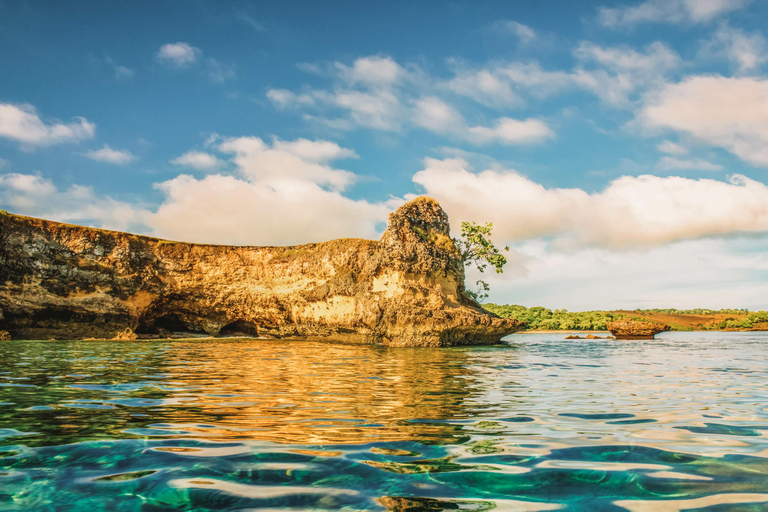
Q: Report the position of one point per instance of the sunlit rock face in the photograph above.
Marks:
(635, 330)
(69, 282)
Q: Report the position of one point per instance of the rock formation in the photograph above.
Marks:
(635, 330)
(71, 282)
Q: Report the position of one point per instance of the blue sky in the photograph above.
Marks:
(618, 147)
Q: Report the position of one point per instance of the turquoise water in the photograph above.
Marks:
(540, 423)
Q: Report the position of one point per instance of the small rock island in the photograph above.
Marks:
(406, 289)
(627, 329)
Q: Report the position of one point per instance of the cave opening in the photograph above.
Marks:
(165, 325)
(240, 328)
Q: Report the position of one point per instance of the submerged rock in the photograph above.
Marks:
(635, 330)
(407, 289)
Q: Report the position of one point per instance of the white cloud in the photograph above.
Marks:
(671, 148)
(283, 98)
(670, 163)
(369, 93)
(219, 72)
(230, 210)
(23, 124)
(631, 212)
(512, 131)
(198, 160)
(377, 71)
(183, 55)
(379, 109)
(372, 94)
(668, 11)
(178, 54)
(314, 150)
(657, 57)
(286, 193)
(121, 72)
(487, 87)
(29, 194)
(731, 113)
(111, 156)
(437, 116)
(709, 273)
(523, 32)
(291, 162)
(622, 71)
(616, 75)
(746, 52)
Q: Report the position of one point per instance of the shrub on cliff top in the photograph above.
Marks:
(476, 248)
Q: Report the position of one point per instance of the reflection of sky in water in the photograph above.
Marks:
(679, 421)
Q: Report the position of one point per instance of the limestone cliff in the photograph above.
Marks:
(67, 282)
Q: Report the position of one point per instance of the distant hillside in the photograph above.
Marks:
(539, 318)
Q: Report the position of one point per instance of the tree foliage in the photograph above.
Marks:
(476, 248)
(539, 318)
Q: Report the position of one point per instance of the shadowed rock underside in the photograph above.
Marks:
(70, 282)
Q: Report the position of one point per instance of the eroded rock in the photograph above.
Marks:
(635, 329)
(407, 289)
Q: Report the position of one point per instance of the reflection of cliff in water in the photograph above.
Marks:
(307, 393)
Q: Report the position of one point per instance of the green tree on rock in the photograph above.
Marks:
(476, 248)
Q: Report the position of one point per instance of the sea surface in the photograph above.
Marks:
(538, 423)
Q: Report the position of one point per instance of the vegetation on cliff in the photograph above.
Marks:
(477, 249)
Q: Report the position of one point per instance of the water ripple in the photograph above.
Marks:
(539, 424)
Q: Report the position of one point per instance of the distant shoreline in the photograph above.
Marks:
(567, 331)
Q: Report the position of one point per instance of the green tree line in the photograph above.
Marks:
(540, 318)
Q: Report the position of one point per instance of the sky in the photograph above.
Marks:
(620, 148)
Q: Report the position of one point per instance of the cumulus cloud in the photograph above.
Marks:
(183, 55)
(512, 131)
(231, 210)
(179, 54)
(616, 75)
(285, 192)
(379, 109)
(631, 212)
(219, 72)
(731, 113)
(436, 115)
(30, 194)
(668, 11)
(299, 161)
(661, 277)
(657, 57)
(198, 160)
(672, 148)
(746, 52)
(373, 70)
(670, 163)
(487, 87)
(111, 156)
(371, 93)
(121, 72)
(522, 32)
(283, 98)
(22, 123)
